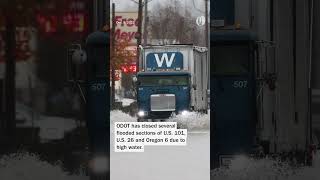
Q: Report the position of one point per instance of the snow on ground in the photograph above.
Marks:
(26, 166)
(161, 162)
(164, 162)
(140, 166)
(193, 121)
(243, 168)
(51, 128)
(119, 116)
(125, 101)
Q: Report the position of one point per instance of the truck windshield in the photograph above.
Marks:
(163, 80)
(230, 59)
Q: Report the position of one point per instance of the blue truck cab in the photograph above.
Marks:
(233, 98)
(97, 88)
(171, 79)
(88, 71)
(161, 93)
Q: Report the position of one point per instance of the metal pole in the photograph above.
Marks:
(113, 94)
(206, 23)
(139, 32)
(107, 13)
(146, 19)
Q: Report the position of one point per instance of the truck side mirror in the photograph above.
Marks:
(76, 57)
(194, 86)
(75, 70)
(79, 56)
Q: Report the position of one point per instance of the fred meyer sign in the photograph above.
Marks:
(126, 26)
(167, 60)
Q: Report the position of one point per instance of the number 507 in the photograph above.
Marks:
(240, 84)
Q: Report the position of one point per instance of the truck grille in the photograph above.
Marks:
(163, 102)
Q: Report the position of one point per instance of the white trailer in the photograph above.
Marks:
(195, 61)
(283, 30)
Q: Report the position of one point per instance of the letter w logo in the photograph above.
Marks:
(164, 57)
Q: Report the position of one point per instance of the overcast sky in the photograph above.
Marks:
(195, 7)
(130, 5)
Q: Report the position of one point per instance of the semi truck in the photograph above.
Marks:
(87, 71)
(233, 117)
(260, 97)
(171, 79)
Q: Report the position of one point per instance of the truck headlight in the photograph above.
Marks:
(141, 113)
(184, 112)
(99, 164)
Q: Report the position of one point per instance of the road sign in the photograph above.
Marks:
(201, 20)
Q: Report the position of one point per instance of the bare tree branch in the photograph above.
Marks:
(171, 23)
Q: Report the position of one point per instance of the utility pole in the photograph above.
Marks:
(207, 23)
(113, 93)
(139, 31)
(207, 30)
(146, 19)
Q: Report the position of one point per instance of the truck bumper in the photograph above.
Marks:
(155, 114)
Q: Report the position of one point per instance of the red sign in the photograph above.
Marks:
(126, 26)
(47, 23)
(129, 68)
(73, 18)
(72, 22)
(75, 22)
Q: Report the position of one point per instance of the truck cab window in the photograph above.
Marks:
(235, 62)
(164, 80)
